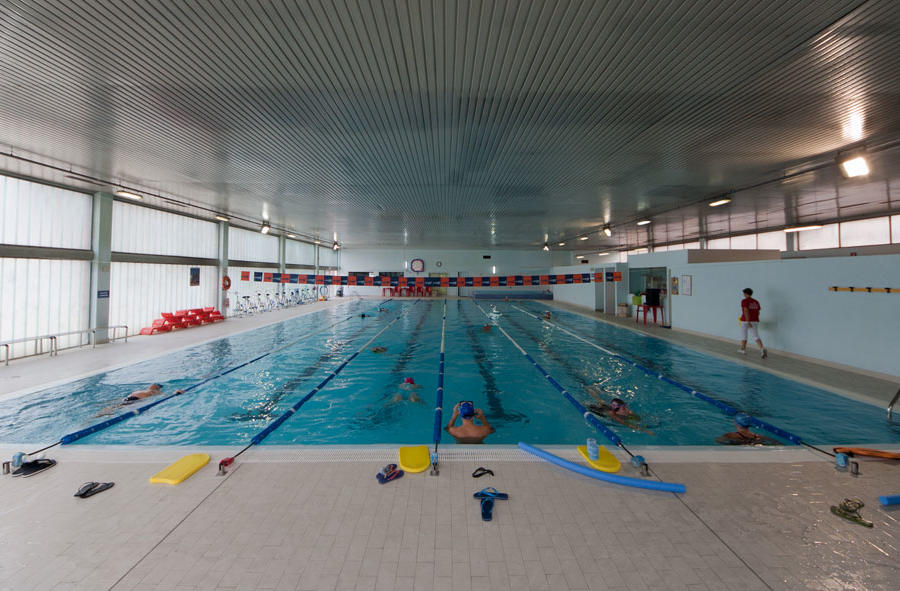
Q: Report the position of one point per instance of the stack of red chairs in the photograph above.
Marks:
(183, 319)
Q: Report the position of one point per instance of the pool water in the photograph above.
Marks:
(358, 406)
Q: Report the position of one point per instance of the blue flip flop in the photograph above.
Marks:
(491, 493)
(487, 508)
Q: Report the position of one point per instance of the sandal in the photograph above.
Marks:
(89, 489)
(849, 510)
(491, 493)
(479, 472)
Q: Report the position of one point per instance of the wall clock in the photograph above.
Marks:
(417, 265)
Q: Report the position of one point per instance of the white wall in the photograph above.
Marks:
(583, 294)
(138, 292)
(799, 314)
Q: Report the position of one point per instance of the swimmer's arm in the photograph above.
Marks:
(452, 418)
(480, 414)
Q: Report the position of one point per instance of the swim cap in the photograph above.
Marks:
(408, 381)
(742, 419)
(466, 410)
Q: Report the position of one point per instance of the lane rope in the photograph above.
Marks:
(439, 393)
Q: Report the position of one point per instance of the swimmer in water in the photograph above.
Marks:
(468, 432)
(616, 409)
(743, 435)
(151, 390)
(547, 315)
(486, 328)
(410, 386)
(379, 349)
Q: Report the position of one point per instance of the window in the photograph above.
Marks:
(718, 243)
(864, 232)
(771, 241)
(745, 242)
(895, 229)
(824, 237)
(692, 246)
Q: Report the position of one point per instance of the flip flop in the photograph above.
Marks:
(98, 488)
(388, 473)
(849, 510)
(85, 488)
(479, 472)
(35, 467)
(487, 509)
(491, 493)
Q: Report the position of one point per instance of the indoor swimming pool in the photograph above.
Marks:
(288, 359)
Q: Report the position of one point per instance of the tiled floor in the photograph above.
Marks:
(294, 518)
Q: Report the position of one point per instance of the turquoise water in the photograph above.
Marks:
(357, 406)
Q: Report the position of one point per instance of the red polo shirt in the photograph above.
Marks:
(752, 307)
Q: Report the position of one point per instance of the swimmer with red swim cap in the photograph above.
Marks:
(410, 386)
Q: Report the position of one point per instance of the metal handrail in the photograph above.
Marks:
(890, 406)
(54, 340)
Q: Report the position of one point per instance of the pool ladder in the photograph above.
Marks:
(890, 407)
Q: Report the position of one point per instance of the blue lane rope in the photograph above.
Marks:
(613, 478)
(75, 436)
(288, 413)
(726, 408)
(439, 394)
(588, 416)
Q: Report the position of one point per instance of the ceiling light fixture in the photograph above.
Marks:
(562, 244)
(719, 202)
(583, 237)
(291, 235)
(855, 166)
(128, 195)
(264, 229)
(335, 246)
(643, 222)
(546, 247)
(607, 231)
(222, 218)
(802, 228)
(579, 256)
(602, 254)
(316, 242)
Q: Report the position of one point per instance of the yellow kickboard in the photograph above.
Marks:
(414, 459)
(606, 462)
(180, 470)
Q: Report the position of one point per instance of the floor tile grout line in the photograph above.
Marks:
(171, 531)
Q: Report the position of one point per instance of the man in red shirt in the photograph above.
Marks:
(749, 321)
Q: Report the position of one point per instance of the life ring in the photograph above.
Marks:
(226, 283)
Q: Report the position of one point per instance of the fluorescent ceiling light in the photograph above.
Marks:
(128, 194)
(579, 256)
(643, 222)
(222, 218)
(602, 254)
(607, 231)
(583, 237)
(546, 246)
(291, 235)
(335, 246)
(719, 202)
(854, 167)
(562, 244)
(265, 228)
(316, 242)
(803, 228)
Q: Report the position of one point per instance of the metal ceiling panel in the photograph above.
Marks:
(460, 123)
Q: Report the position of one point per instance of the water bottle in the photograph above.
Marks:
(592, 449)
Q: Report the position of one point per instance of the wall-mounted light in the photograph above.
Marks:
(853, 166)
(222, 218)
(583, 237)
(562, 244)
(607, 231)
(335, 246)
(643, 222)
(264, 229)
(546, 247)
(316, 242)
(291, 235)
(719, 202)
(128, 195)
(602, 254)
(579, 256)
(802, 228)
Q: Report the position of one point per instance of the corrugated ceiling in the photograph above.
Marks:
(462, 123)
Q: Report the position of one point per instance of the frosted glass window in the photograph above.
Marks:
(692, 246)
(327, 257)
(43, 297)
(895, 229)
(718, 244)
(864, 232)
(32, 214)
(771, 241)
(745, 242)
(244, 245)
(150, 231)
(139, 292)
(824, 237)
(637, 251)
(299, 253)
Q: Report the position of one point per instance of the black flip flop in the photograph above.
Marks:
(35, 467)
(89, 489)
(479, 472)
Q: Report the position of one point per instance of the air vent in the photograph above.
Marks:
(486, 256)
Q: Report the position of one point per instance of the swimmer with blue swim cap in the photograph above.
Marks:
(743, 435)
(468, 432)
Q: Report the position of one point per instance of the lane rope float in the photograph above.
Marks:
(76, 435)
(259, 437)
(726, 408)
(439, 397)
(636, 460)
